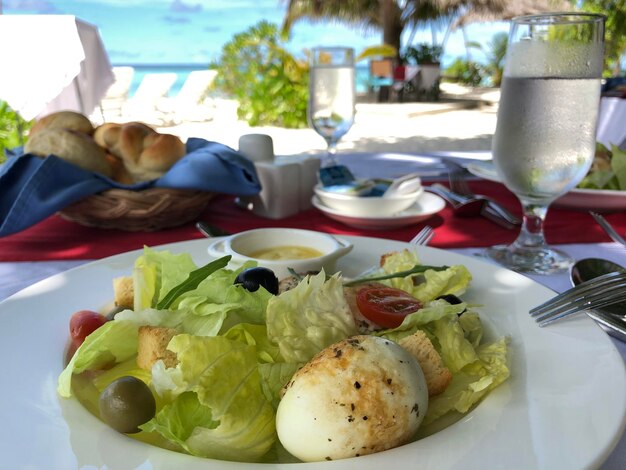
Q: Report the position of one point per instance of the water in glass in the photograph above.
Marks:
(545, 134)
(332, 93)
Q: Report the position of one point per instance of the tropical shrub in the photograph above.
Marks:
(270, 84)
(423, 54)
(465, 71)
(12, 128)
(495, 53)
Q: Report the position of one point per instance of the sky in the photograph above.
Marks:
(194, 31)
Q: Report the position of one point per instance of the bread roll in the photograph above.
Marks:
(63, 120)
(119, 171)
(74, 147)
(146, 154)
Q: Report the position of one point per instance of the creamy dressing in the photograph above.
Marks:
(286, 252)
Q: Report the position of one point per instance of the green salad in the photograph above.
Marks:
(236, 349)
(608, 170)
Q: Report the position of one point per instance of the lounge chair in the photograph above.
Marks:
(191, 104)
(117, 94)
(144, 104)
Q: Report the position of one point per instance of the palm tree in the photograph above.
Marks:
(392, 17)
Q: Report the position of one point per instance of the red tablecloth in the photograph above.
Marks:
(57, 239)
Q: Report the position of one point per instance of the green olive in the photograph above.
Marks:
(127, 403)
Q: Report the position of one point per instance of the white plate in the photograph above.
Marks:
(426, 206)
(577, 199)
(564, 405)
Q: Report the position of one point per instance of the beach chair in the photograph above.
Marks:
(117, 94)
(192, 103)
(144, 104)
(381, 78)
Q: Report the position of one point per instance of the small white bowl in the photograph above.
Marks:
(243, 246)
(367, 206)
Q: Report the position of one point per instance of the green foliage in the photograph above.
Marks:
(270, 84)
(465, 71)
(11, 124)
(615, 36)
(495, 57)
(495, 53)
(423, 54)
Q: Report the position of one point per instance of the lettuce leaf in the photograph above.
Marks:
(113, 342)
(473, 382)
(304, 320)
(219, 410)
(608, 171)
(274, 376)
(255, 335)
(476, 368)
(429, 285)
(618, 163)
(156, 273)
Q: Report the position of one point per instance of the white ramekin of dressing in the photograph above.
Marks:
(282, 249)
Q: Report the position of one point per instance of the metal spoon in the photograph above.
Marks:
(612, 319)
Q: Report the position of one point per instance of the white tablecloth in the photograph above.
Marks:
(15, 276)
(52, 63)
(611, 128)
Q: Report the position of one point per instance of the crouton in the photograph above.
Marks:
(124, 291)
(153, 341)
(437, 375)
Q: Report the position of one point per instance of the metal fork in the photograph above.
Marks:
(598, 292)
(423, 237)
(459, 185)
(608, 228)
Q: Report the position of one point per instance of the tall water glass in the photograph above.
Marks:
(332, 94)
(545, 134)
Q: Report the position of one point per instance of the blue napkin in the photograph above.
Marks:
(33, 188)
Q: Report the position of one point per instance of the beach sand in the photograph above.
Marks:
(462, 121)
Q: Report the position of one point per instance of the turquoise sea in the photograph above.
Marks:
(182, 70)
(184, 35)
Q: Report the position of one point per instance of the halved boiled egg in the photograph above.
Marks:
(362, 395)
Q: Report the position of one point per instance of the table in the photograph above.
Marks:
(464, 236)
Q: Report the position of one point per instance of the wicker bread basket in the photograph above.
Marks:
(146, 210)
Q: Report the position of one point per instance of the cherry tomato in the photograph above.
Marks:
(386, 306)
(71, 349)
(83, 323)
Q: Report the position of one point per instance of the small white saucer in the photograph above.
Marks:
(426, 206)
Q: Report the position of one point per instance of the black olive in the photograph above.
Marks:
(127, 403)
(450, 298)
(252, 278)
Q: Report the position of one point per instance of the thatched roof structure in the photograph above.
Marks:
(485, 11)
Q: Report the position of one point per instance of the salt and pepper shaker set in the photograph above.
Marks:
(287, 182)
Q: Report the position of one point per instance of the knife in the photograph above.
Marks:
(614, 325)
(456, 200)
(457, 175)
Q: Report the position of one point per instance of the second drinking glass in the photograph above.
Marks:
(332, 94)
